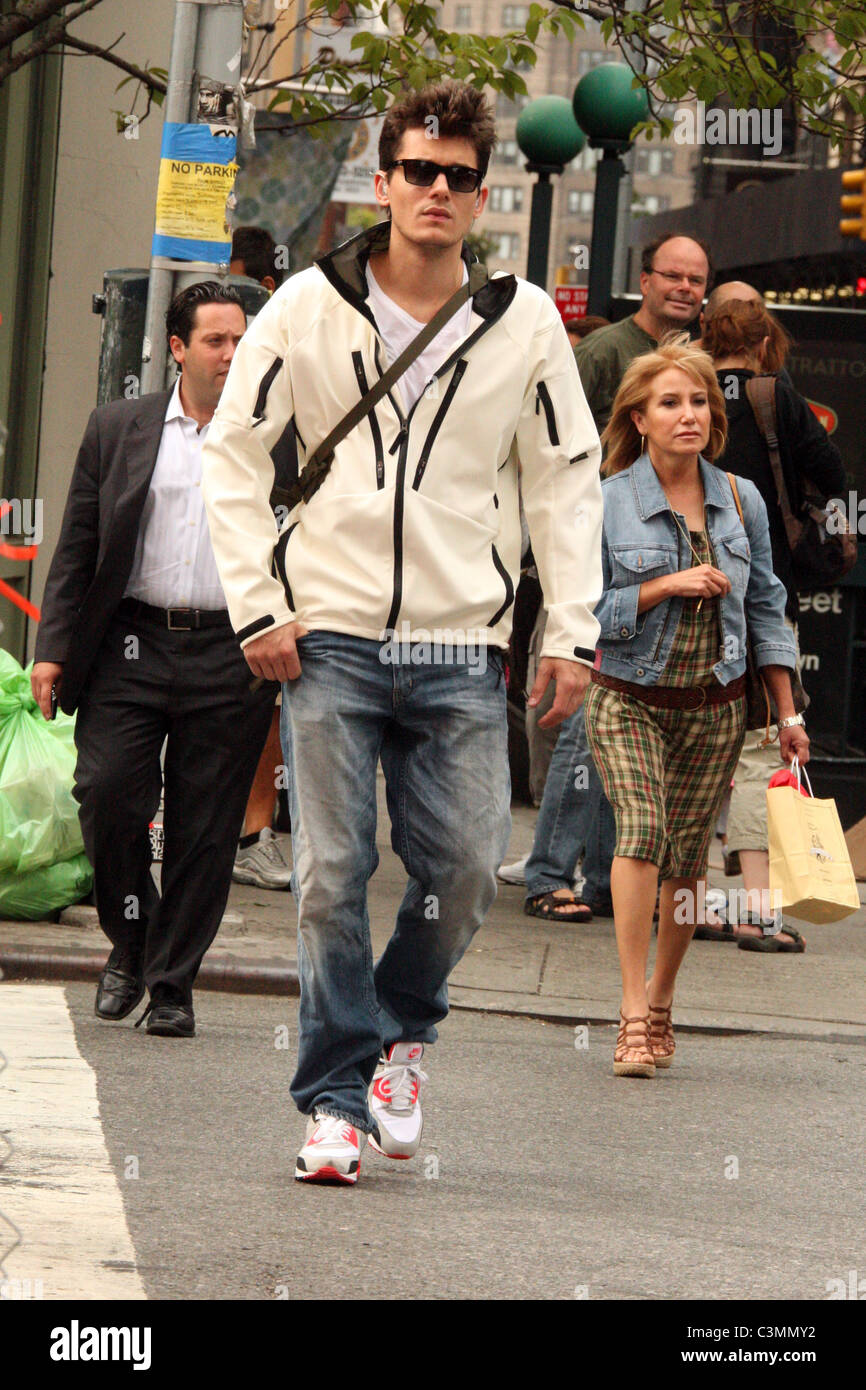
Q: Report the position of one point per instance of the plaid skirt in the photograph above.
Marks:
(665, 773)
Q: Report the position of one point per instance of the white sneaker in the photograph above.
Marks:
(513, 873)
(331, 1152)
(263, 864)
(395, 1101)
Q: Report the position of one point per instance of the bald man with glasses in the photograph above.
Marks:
(676, 272)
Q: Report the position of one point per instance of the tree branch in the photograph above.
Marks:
(25, 18)
(54, 35)
(153, 84)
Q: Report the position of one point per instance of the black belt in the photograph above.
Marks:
(175, 619)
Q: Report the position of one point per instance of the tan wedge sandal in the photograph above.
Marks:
(639, 1042)
(662, 1036)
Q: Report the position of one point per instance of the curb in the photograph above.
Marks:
(231, 975)
(225, 973)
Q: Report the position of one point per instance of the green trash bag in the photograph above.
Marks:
(37, 895)
(39, 825)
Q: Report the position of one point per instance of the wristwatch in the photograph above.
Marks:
(790, 722)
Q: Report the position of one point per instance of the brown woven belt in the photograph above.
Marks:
(674, 697)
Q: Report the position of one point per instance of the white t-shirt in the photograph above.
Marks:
(399, 329)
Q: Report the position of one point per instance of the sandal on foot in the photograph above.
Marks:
(723, 932)
(549, 905)
(661, 1036)
(771, 943)
(639, 1042)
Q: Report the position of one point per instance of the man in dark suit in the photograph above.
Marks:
(135, 636)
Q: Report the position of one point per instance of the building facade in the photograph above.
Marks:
(662, 172)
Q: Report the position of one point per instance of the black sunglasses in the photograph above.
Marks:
(423, 173)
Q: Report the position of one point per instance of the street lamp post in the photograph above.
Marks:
(608, 107)
(550, 138)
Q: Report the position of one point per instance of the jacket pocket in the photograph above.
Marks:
(734, 558)
(434, 429)
(280, 564)
(543, 398)
(361, 375)
(632, 564)
(509, 588)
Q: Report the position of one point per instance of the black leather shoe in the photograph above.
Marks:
(170, 1020)
(117, 994)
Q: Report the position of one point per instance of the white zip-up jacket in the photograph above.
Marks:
(416, 528)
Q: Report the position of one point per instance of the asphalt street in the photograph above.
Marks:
(735, 1175)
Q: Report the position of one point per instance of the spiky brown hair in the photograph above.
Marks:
(456, 109)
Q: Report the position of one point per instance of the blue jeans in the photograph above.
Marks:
(574, 818)
(440, 730)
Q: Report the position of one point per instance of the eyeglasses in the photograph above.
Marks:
(675, 276)
(423, 173)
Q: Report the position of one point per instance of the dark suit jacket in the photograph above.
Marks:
(94, 554)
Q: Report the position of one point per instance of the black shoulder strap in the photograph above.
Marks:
(761, 392)
(319, 463)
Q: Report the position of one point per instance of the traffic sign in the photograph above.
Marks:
(571, 300)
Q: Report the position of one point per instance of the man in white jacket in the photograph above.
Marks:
(385, 604)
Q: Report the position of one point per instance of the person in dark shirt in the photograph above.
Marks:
(744, 340)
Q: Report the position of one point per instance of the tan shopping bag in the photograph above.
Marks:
(810, 869)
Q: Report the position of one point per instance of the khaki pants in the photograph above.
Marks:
(747, 815)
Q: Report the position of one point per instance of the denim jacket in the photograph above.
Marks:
(642, 541)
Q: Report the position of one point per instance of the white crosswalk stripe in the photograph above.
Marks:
(57, 1185)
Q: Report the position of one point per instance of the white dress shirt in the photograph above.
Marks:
(174, 565)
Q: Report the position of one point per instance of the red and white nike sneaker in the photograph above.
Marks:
(395, 1103)
(331, 1152)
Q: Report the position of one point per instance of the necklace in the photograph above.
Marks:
(687, 538)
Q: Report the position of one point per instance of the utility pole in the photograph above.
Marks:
(203, 87)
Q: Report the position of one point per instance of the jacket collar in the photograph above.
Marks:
(150, 415)
(345, 268)
(142, 446)
(649, 495)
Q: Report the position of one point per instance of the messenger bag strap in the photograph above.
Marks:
(761, 392)
(749, 654)
(319, 463)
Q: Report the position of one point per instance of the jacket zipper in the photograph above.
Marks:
(374, 423)
(437, 420)
(509, 588)
(543, 398)
(280, 563)
(402, 442)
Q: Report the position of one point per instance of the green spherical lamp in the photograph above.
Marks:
(548, 134)
(606, 104)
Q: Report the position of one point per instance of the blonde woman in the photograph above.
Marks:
(665, 712)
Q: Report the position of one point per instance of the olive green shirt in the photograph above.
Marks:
(601, 360)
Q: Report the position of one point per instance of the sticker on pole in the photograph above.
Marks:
(197, 171)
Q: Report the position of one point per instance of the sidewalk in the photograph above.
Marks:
(516, 965)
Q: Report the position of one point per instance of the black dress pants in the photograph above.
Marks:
(148, 684)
